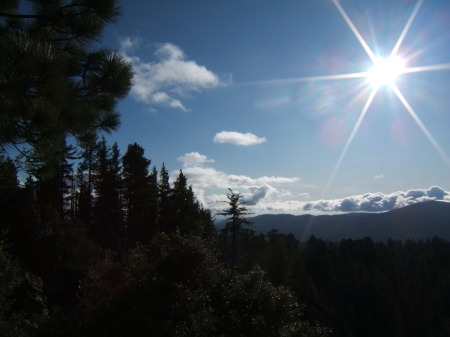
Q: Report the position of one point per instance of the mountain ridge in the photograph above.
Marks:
(419, 221)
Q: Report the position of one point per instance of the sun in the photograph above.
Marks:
(385, 71)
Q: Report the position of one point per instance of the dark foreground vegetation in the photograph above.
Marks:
(114, 249)
(96, 243)
(361, 287)
(136, 255)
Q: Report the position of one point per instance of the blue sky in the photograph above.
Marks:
(232, 93)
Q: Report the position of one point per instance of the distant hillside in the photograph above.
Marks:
(419, 222)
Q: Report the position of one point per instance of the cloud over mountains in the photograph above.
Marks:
(369, 202)
(378, 202)
(273, 194)
(169, 77)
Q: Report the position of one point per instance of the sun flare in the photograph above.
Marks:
(386, 71)
(383, 73)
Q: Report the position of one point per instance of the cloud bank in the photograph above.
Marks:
(377, 202)
(265, 199)
(237, 138)
(211, 185)
(274, 194)
(169, 77)
(369, 202)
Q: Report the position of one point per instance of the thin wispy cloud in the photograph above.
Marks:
(168, 76)
(237, 138)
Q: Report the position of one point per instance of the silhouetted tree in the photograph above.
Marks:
(108, 216)
(54, 82)
(235, 216)
(8, 173)
(186, 211)
(85, 182)
(165, 200)
(138, 195)
(53, 182)
(153, 203)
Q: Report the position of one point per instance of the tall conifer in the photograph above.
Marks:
(139, 197)
(165, 202)
(235, 216)
(8, 173)
(107, 207)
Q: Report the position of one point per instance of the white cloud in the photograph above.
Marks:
(275, 202)
(273, 194)
(169, 78)
(237, 138)
(377, 202)
(211, 185)
(258, 193)
(170, 51)
(208, 177)
(279, 206)
(378, 177)
(193, 159)
(129, 44)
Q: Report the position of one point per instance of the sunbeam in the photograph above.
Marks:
(406, 29)
(444, 66)
(355, 31)
(416, 118)
(350, 138)
(307, 79)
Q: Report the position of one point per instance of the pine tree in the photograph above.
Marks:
(183, 203)
(187, 214)
(8, 173)
(153, 204)
(53, 180)
(235, 221)
(165, 205)
(139, 195)
(108, 217)
(53, 83)
(85, 176)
